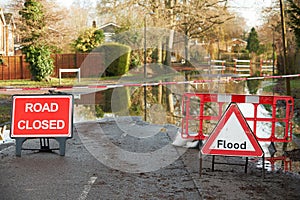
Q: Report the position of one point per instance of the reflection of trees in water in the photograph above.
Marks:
(233, 87)
(84, 113)
(253, 86)
(155, 112)
(158, 108)
(135, 107)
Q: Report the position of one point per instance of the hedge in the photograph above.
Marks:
(116, 58)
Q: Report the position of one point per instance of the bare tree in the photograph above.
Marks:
(194, 18)
(272, 29)
(62, 24)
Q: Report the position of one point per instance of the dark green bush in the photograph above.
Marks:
(116, 58)
(40, 61)
(98, 111)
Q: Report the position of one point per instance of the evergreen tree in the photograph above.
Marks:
(294, 17)
(252, 41)
(33, 22)
(36, 50)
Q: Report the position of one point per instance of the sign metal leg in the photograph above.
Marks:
(200, 163)
(263, 166)
(246, 165)
(213, 163)
(19, 144)
(62, 145)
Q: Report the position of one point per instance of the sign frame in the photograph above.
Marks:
(46, 97)
(44, 139)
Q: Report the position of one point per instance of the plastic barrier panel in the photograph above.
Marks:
(269, 117)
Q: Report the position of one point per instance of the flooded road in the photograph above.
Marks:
(281, 160)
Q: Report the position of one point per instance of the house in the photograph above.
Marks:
(236, 45)
(10, 34)
(7, 32)
(109, 30)
(2, 33)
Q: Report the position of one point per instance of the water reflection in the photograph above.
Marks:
(253, 86)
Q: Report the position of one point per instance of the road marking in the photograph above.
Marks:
(87, 188)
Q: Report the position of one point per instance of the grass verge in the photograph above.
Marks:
(5, 108)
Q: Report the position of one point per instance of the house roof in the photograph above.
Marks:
(2, 18)
(109, 27)
(239, 41)
(9, 19)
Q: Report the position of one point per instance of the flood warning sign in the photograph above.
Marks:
(232, 136)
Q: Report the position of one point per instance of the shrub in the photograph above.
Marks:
(116, 58)
(135, 60)
(88, 40)
(40, 61)
(99, 112)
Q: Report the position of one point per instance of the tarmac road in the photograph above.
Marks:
(78, 175)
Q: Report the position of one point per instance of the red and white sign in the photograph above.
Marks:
(42, 116)
(232, 136)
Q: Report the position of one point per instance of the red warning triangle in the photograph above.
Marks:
(232, 136)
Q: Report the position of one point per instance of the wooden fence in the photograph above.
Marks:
(92, 65)
(16, 67)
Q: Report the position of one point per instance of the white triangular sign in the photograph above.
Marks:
(232, 136)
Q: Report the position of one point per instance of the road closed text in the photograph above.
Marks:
(44, 124)
(41, 124)
(39, 107)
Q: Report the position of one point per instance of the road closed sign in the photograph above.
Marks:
(42, 116)
(232, 136)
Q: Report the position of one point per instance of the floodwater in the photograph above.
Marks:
(100, 105)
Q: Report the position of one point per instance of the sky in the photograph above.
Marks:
(249, 9)
(66, 3)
